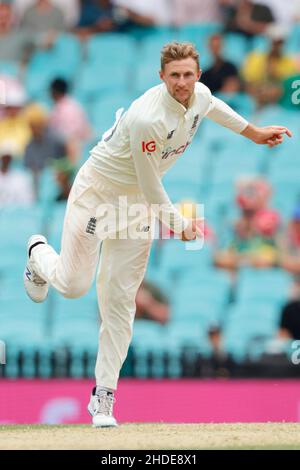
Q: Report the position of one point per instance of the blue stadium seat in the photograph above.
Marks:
(61, 60)
(260, 43)
(177, 258)
(81, 332)
(103, 112)
(48, 187)
(248, 328)
(293, 40)
(198, 33)
(148, 337)
(111, 47)
(146, 76)
(266, 285)
(9, 68)
(85, 309)
(204, 286)
(17, 224)
(241, 102)
(99, 79)
(188, 335)
(235, 48)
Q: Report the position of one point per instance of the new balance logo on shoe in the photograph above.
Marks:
(28, 273)
(91, 226)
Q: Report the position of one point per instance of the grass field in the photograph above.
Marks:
(159, 436)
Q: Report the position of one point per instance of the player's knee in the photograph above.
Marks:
(76, 290)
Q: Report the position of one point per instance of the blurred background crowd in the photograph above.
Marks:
(66, 66)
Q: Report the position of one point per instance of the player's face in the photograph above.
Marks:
(180, 77)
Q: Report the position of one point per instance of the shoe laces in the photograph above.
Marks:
(105, 403)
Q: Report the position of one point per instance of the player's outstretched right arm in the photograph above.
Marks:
(269, 135)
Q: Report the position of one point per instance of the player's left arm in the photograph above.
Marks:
(224, 115)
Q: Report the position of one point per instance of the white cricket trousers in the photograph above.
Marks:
(121, 270)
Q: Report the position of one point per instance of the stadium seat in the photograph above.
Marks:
(85, 308)
(265, 285)
(26, 221)
(48, 189)
(178, 257)
(111, 47)
(235, 48)
(103, 110)
(148, 338)
(146, 77)
(77, 331)
(101, 79)
(61, 60)
(198, 33)
(9, 68)
(188, 335)
(248, 328)
(293, 40)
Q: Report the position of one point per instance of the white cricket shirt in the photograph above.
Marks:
(146, 141)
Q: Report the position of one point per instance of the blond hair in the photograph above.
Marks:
(178, 51)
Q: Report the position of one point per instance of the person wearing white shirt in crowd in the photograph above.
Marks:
(156, 12)
(70, 9)
(121, 181)
(15, 186)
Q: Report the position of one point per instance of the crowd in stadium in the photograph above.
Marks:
(49, 121)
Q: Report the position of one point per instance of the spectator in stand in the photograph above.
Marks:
(289, 327)
(96, 16)
(13, 124)
(70, 9)
(44, 146)
(254, 236)
(245, 17)
(264, 73)
(68, 118)
(15, 45)
(189, 11)
(152, 304)
(64, 174)
(43, 16)
(284, 13)
(147, 14)
(222, 75)
(15, 186)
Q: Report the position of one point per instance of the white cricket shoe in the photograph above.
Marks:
(36, 287)
(100, 408)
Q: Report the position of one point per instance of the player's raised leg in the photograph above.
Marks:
(72, 271)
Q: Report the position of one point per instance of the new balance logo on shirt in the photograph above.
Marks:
(170, 135)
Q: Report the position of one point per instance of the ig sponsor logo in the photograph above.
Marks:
(149, 146)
